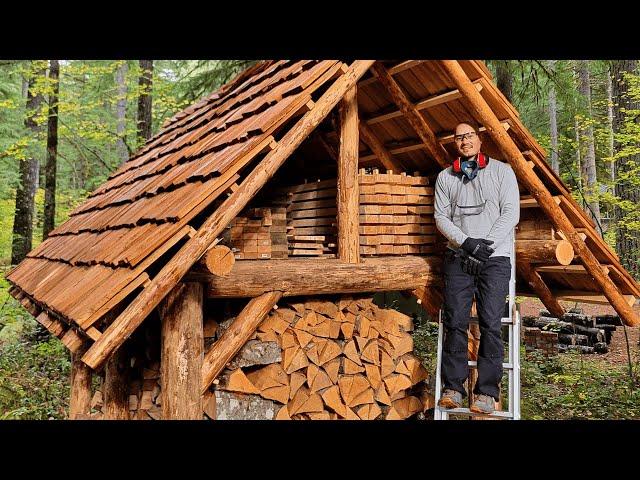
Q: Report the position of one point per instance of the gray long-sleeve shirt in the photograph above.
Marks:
(458, 206)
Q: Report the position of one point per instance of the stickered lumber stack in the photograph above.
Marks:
(258, 233)
(347, 359)
(396, 214)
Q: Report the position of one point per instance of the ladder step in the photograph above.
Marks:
(503, 320)
(506, 366)
(466, 411)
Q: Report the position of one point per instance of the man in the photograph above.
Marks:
(477, 206)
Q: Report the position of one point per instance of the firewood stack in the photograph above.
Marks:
(396, 214)
(344, 360)
(258, 233)
(576, 331)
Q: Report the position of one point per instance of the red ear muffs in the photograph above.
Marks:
(482, 162)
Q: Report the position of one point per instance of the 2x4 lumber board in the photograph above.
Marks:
(537, 189)
(182, 345)
(535, 281)
(190, 253)
(401, 67)
(569, 269)
(378, 149)
(348, 187)
(80, 396)
(234, 338)
(423, 104)
(413, 116)
(448, 138)
(589, 297)
(251, 278)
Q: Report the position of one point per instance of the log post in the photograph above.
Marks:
(535, 281)
(182, 345)
(530, 180)
(178, 266)
(81, 375)
(115, 388)
(550, 252)
(348, 191)
(234, 338)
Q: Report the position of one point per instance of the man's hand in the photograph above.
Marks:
(478, 247)
(471, 265)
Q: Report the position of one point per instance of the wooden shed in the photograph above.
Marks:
(304, 185)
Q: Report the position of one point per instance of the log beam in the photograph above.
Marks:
(191, 252)
(487, 117)
(348, 191)
(251, 278)
(218, 260)
(115, 388)
(551, 252)
(413, 116)
(234, 337)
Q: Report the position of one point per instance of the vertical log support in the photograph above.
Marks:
(348, 241)
(487, 117)
(182, 345)
(115, 389)
(81, 375)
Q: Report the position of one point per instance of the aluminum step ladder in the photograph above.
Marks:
(511, 366)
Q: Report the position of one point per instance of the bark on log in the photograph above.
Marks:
(293, 277)
(81, 375)
(182, 352)
(534, 280)
(115, 389)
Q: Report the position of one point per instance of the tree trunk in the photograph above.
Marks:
(610, 118)
(504, 78)
(145, 82)
(553, 122)
(52, 153)
(25, 193)
(121, 111)
(627, 239)
(591, 189)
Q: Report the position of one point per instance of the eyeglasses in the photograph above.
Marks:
(465, 136)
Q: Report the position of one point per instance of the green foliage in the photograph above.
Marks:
(571, 386)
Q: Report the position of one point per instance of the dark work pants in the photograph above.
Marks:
(491, 287)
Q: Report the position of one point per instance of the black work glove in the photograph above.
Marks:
(478, 247)
(469, 264)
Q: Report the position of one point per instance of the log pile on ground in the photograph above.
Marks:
(348, 359)
(576, 331)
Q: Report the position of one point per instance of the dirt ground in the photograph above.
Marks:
(617, 353)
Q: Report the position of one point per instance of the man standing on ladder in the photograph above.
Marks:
(477, 206)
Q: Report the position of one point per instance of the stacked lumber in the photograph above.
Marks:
(396, 214)
(311, 218)
(258, 233)
(347, 359)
